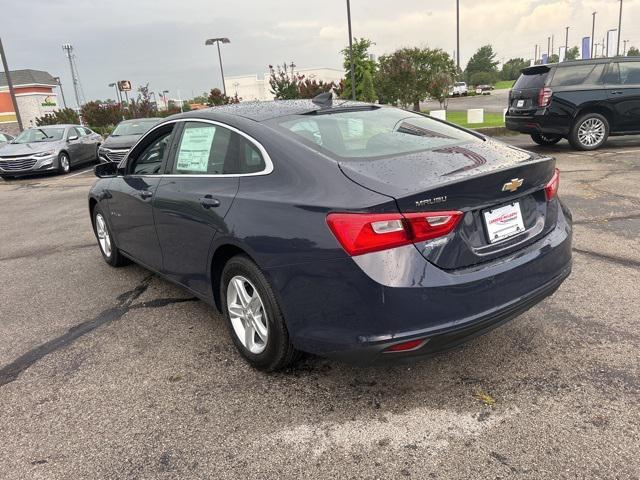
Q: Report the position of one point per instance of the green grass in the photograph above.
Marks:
(504, 84)
(490, 120)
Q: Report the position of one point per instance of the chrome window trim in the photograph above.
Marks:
(265, 156)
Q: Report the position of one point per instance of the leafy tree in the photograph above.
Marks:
(368, 89)
(511, 68)
(633, 52)
(98, 114)
(573, 53)
(201, 99)
(309, 88)
(554, 58)
(481, 78)
(216, 97)
(141, 107)
(362, 63)
(439, 87)
(484, 60)
(339, 88)
(66, 115)
(284, 82)
(407, 75)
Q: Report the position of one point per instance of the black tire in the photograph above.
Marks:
(575, 136)
(278, 351)
(112, 257)
(545, 138)
(64, 167)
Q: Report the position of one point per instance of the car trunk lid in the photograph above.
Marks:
(477, 178)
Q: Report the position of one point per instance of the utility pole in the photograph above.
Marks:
(535, 55)
(548, 48)
(552, 43)
(624, 53)
(68, 48)
(566, 43)
(59, 82)
(353, 73)
(12, 92)
(619, 30)
(593, 33)
(458, 34)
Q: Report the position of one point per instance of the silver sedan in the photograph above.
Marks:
(53, 148)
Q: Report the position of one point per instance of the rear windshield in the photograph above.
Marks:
(134, 128)
(533, 78)
(375, 133)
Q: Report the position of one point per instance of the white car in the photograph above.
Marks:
(459, 89)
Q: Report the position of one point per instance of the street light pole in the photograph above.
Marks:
(624, 52)
(458, 34)
(59, 82)
(548, 48)
(12, 92)
(566, 43)
(593, 33)
(353, 73)
(619, 30)
(217, 41)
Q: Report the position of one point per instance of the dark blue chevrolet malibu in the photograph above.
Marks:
(338, 228)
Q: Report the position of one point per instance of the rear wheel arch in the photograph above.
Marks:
(221, 256)
(605, 112)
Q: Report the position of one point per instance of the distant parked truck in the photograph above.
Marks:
(459, 89)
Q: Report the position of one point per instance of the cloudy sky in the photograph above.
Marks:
(162, 41)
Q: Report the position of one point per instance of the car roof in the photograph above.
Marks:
(261, 111)
(573, 63)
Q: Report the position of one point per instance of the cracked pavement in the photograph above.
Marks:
(116, 373)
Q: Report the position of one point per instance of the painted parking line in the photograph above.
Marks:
(76, 174)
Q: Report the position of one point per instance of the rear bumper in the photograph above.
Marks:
(537, 124)
(355, 308)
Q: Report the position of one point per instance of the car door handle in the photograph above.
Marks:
(144, 194)
(208, 202)
(617, 92)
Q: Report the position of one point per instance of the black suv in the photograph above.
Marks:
(583, 101)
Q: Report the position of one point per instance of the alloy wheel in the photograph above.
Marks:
(64, 163)
(247, 314)
(591, 132)
(103, 235)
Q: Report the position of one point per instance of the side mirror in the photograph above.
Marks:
(72, 138)
(106, 170)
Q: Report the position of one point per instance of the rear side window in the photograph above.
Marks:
(577, 75)
(371, 133)
(532, 78)
(630, 73)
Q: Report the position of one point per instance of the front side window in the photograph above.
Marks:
(372, 133)
(149, 162)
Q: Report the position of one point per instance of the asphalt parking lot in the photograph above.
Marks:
(116, 373)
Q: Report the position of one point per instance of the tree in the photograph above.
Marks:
(407, 75)
(98, 114)
(511, 68)
(142, 106)
(216, 97)
(66, 115)
(633, 52)
(484, 60)
(554, 58)
(573, 53)
(481, 78)
(284, 83)
(309, 88)
(368, 89)
(362, 63)
(439, 87)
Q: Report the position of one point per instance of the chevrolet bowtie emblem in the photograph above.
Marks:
(513, 185)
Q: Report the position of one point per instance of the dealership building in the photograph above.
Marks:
(251, 88)
(34, 94)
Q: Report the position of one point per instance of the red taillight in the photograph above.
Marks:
(360, 233)
(544, 97)
(406, 346)
(551, 188)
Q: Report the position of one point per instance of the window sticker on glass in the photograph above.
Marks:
(195, 147)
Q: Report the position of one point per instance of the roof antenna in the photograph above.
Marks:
(324, 100)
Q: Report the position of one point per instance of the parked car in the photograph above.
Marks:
(4, 138)
(484, 89)
(54, 148)
(123, 137)
(583, 101)
(459, 89)
(348, 230)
